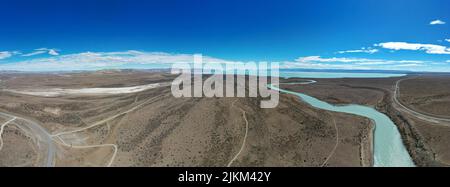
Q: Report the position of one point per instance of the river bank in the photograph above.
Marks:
(421, 139)
(388, 149)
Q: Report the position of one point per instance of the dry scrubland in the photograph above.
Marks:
(427, 94)
(152, 128)
(430, 95)
(426, 141)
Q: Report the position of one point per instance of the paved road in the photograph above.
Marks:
(1, 131)
(413, 112)
(47, 139)
(41, 134)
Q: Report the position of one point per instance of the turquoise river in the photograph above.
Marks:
(389, 150)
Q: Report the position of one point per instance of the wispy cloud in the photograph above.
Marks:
(428, 48)
(448, 40)
(352, 63)
(140, 59)
(104, 60)
(318, 59)
(53, 52)
(362, 50)
(34, 53)
(437, 22)
(8, 54)
(310, 59)
(5, 54)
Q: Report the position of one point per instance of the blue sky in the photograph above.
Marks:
(344, 34)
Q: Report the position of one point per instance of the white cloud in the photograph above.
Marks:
(7, 54)
(53, 52)
(312, 59)
(139, 59)
(407, 65)
(39, 51)
(362, 50)
(448, 40)
(317, 62)
(318, 59)
(105, 60)
(428, 48)
(437, 22)
(34, 53)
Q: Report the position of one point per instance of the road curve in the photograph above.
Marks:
(1, 131)
(41, 134)
(48, 139)
(413, 112)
